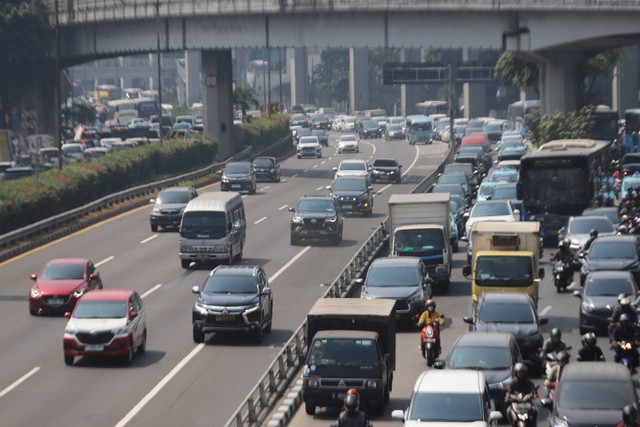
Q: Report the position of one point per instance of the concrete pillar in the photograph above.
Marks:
(358, 79)
(474, 95)
(624, 86)
(560, 83)
(193, 64)
(299, 76)
(217, 73)
(409, 96)
(240, 66)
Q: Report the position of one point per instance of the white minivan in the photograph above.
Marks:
(213, 228)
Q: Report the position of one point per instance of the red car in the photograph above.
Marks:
(108, 323)
(60, 284)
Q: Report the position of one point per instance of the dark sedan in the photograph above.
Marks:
(514, 313)
(238, 176)
(353, 194)
(323, 137)
(266, 169)
(386, 170)
(612, 253)
(168, 206)
(600, 295)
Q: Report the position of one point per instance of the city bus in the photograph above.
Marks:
(632, 130)
(562, 178)
(432, 107)
(146, 107)
(104, 93)
(418, 129)
(517, 112)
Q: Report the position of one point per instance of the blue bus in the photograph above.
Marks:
(632, 130)
(432, 107)
(418, 129)
(562, 178)
(517, 111)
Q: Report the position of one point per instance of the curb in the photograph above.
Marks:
(288, 408)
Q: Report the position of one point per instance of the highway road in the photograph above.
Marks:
(178, 382)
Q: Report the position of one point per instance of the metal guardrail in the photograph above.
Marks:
(82, 11)
(265, 394)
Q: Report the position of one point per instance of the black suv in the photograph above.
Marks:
(267, 168)
(168, 206)
(238, 176)
(316, 217)
(386, 170)
(353, 194)
(233, 298)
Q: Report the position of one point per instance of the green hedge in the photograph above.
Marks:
(262, 132)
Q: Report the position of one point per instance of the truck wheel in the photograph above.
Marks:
(198, 335)
(154, 227)
(185, 263)
(387, 394)
(309, 408)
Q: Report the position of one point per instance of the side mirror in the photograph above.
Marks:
(547, 403)
(544, 320)
(335, 168)
(328, 187)
(292, 209)
(152, 200)
(439, 364)
(397, 414)
(34, 277)
(466, 271)
(133, 315)
(370, 188)
(359, 281)
(67, 315)
(577, 294)
(195, 289)
(468, 319)
(541, 273)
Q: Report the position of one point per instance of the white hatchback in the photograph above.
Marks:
(309, 146)
(348, 143)
(491, 210)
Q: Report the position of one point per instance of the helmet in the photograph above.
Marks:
(352, 400)
(556, 333)
(520, 368)
(564, 243)
(593, 233)
(629, 415)
(563, 357)
(620, 296)
(589, 339)
(625, 300)
(431, 304)
(624, 317)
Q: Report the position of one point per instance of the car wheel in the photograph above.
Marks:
(198, 335)
(270, 324)
(142, 348)
(129, 357)
(294, 240)
(68, 360)
(239, 255)
(299, 157)
(253, 189)
(257, 335)
(33, 312)
(185, 263)
(154, 227)
(309, 408)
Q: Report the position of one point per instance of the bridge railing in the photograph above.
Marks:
(271, 386)
(80, 11)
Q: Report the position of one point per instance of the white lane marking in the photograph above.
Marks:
(265, 187)
(244, 195)
(283, 207)
(294, 176)
(323, 162)
(260, 220)
(315, 166)
(545, 310)
(415, 159)
(104, 261)
(291, 261)
(150, 291)
(133, 412)
(372, 145)
(320, 188)
(19, 381)
(382, 189)
(148, 239)
(305, 171)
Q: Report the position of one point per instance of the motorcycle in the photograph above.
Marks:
(562, 275)
(625, 352)
(523, 410)
(430, 342)
(551, 389)
(550, 360)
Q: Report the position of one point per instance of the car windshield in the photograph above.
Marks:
(370, 124)
(173, 197)
(446, 407)
(318, 132)
(100, 310)
(63, 272)
(503, 271)
(298, 117)
(353, 166)
(208, 225)
(394, 128)
(237, 168)
(309, 140)
(448, 188)
(585, 225)
(315, 205)
(385, 163)
(504, 193)
(349, 185)
(419, 240)
(594, 395)
(350, 352)
(385, 276)
(490, 209)
(486, 188)
(230, 284)
(72, 148)
(479, 358)
(609, 286)
(611, 249)
(263, 163)
(452, 179)
(506, 312)
(348, 138)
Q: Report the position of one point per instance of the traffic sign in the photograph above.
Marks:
(211, 80)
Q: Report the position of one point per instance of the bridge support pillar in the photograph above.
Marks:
(299, 76)
(358, 79)
(474, 95)
(560, 78)
(193, 65)
(218, 98)
(409, 94)
(625, 89)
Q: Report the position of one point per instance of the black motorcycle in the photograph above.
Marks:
(562, 273)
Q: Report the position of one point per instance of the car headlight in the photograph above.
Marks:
(224, 248)
(200, 308)
(372, 384)
(123, 330)
(252, 308)
(224, 179)
(587, 307)
(415, 298)
(312, 383)
(71, 330)
(35, 293)
(297, 219)
(186, 248)
(559, 422)
(79, 293)
(332, 219)
(272, 170)
(156, 210)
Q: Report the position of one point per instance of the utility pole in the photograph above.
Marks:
(58, 97)
(452, 131)
(159, 70)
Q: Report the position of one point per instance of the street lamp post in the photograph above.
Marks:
(159, 70)
(58, 96)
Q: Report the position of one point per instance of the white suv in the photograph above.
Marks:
(353, 167)
(309, 146)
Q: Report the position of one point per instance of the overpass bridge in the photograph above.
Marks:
(557, 34)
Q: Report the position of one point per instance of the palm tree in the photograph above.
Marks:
(244, 98)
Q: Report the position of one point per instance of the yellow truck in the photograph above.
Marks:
(505, 258)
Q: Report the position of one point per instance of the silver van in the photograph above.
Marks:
(213, 228)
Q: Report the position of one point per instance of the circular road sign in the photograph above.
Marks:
(211, 80)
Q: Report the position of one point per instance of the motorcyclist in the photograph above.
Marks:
(556, 370)
(565, 254)
(590, 352)
(593, 235)
(351, 415)
(554, 343)
(629, 417)
(625, 331)
(624, 306)
(520, 384)
(431, 315)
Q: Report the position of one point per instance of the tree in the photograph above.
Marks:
(597, 66)
(576, 124)
(80, 111)
(244, 98)
(331, 75)
(514, 71)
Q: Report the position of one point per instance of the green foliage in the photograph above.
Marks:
(262, 132)
(381, 95)
(244, 99)
(331, 75)
(546, 128)
(513, 71)
(80, 111)
(601, 64)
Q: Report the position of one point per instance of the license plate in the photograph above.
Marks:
(202, 256)
(384, 177)
(225, 317)
(236, 186)
(93, 347)
(429, 340)
(56, 301)
(347, 206)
